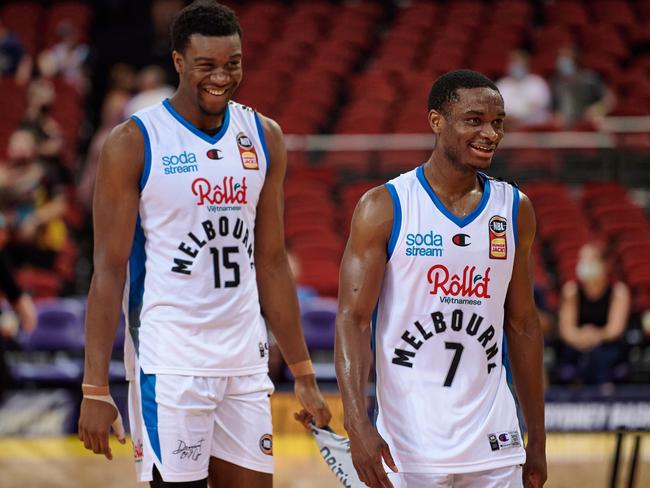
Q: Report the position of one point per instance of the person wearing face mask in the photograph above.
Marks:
(527, 96)
(593, 316)
(578, 94)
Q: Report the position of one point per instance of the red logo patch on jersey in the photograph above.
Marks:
(471, 284)
(247, 152)
(498, 243)
(227, 193)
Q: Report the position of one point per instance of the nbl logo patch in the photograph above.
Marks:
(247, 152)
(498, 243)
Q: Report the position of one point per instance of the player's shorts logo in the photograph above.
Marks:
(266, 444)
(498, 243)
(247, 152)
(138, 452)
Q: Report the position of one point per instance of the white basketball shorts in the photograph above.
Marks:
(179, 422)
(507, 477)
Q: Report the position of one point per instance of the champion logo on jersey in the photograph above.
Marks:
(498, 244)
(184, 162)
(462, 240)
(214, 154)
(225, 195)
(247, 152)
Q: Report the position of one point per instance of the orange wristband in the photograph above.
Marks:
(95, 390)
(303, 368)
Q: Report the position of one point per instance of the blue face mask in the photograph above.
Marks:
(566, 66)
(517, 71)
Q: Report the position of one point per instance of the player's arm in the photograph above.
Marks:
(361, 277)
(525, 346)
(276, 287)
(115, 208)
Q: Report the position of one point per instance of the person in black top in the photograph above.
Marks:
(23, 305)
(593, 316)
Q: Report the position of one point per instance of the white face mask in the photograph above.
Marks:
(589, 270)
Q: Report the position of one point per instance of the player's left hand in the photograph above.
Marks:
(311, 399)
(534, 472)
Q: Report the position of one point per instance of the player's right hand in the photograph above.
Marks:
(95, 421)
(368, 449)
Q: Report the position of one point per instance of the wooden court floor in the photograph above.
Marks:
(574, 460)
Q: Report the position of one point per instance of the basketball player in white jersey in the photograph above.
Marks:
(188, 222)
(436, 269)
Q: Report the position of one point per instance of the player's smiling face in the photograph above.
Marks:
(210, 68)
(471, 128)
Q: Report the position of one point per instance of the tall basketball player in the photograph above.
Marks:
(188, 214)
(436, 269)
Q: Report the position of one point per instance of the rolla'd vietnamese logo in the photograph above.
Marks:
(228, 195)
(471, 285)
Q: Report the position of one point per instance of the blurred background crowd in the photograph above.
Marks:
(574, 74)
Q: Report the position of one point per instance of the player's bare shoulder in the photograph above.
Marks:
(374, 213)
(124, 151)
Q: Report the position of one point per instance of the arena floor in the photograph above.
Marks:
(575, 460)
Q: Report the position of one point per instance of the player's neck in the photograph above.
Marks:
(191, 112)
(449, 179)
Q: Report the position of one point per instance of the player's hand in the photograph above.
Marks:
(534, 472)
(311, 399)
(368, 449)
(95, 421)
(305, 418)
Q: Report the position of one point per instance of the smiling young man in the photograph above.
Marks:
(436, 269)
(189, 236)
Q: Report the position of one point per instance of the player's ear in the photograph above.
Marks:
(435, 121)
(179, 62)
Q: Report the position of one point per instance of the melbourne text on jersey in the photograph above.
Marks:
(198, 238)
(447, 325)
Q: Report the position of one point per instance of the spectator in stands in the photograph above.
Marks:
(33, 203)
(527, 96)
(579, 95)
(14, 61)
(24, 307)
(152, 89)
(66, 58)
(113, 110)
(593, 316)
(38, 119)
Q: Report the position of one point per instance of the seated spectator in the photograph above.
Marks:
(66, 58)
(593, 316)
(14, 61)
(32, 202)
(38, 119)
(152, 89)
(579, 95)
(527, 96)
(112, 114)
(25, 309)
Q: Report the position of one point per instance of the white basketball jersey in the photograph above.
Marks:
(191, 298)
(443, 401)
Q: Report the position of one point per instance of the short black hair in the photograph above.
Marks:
(444, 88)
(204, 17)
